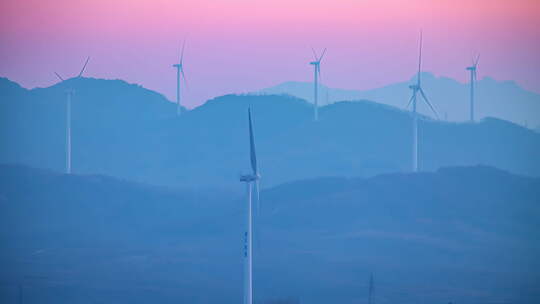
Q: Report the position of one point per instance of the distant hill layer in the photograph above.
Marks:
(127, 131)
(500, 99)
(463, 235)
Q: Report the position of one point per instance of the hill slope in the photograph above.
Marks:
(501, 99)
(126, 131)
(466, 235)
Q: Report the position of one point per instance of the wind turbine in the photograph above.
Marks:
(417, 88)
(472, 70)
(179, 72)
(316, 74)
(251, 180)
(69, 96)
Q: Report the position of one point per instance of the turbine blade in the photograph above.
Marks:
(253, 155)
(322, 55)
(429, 103)
(410, 102)
(184, 76)
(84, 66)
(314, 53)
(60, 77)
(476, 61)
(182, 52)
(420, 57)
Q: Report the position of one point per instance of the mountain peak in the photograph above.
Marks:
(6, 84)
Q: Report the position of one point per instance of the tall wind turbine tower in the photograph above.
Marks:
(69, 96)
(252, 181)
(316, 75)
(472, 70)
(179, 73)
(417, 88)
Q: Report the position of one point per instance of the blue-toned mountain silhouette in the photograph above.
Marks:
(126, 131)
(500, 99)
(461, 235)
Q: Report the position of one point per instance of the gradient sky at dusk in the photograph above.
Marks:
(245, 45)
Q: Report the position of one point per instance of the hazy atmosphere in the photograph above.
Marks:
(270, 152)
(236, 46)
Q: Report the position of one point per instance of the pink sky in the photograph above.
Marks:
(245, 45)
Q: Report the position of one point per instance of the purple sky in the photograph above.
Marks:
(245, 45)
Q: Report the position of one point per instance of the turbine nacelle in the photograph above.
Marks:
(472, 68)
(249, 177)
(178, 65)
(317, 58)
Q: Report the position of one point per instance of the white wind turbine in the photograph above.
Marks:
(316, 74)
(472, 70)
(251, 180)
(69, 95)
(179, 72)
(417, 88)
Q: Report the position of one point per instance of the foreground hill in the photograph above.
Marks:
(463, 235)
(127, 131)
(501, 99)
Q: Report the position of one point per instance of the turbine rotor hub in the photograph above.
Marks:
(249, 178)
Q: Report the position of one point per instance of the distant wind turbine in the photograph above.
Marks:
(69, 95)
(472, 70)
(316, 74)
(84, 67)
(251, 180)
(179, 72)
(417, 88)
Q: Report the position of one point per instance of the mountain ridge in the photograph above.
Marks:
(447, 94)
(139, 137)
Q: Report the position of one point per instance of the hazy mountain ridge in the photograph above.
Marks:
(129, 132)
(501, 99)
(9, 87)
(318, 240)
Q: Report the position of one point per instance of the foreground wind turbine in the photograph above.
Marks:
(417, 88)
(251, 180)
(69, 95)
(179, 72)
(472, 70)
(316, 74)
